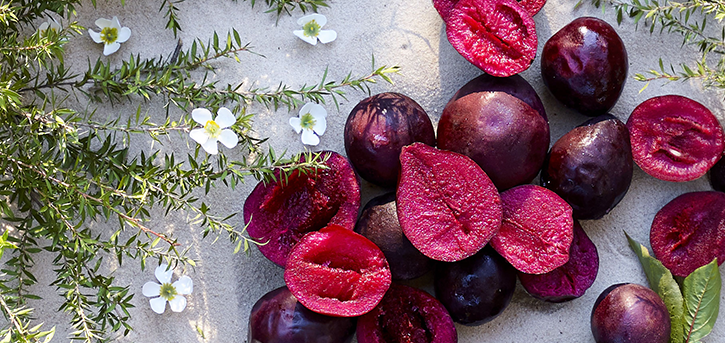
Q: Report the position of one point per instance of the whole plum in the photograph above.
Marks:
(584, 65)
(475, 290)
(628, 312)
(504, 135)
(278, 317)
(591, 166)
(513, 85)
(378, 128)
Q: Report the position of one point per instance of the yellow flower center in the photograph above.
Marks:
(311, 29)
(307, 121)
(212, 129)
(167, 291)
(109, 35)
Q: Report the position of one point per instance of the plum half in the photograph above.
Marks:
(277, 317)
(630, 313)
(279, 213)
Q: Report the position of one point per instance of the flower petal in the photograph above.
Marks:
(96, 36)
(115, 23)
(228, 138)
(316, 110)
(210, 146)
(103, 22)
(43, 26)
(125, 33)
(201, 115)
(54, 24)
(319, 18)
(111, 48)
(225, 118)
(301, 34)
(184, 285)
(320, 124)
(295, 123)
(177, 304)
(309, 137)
(158, 305)
(327, 36)
(151, 289)
(199, 135)
(162, 274)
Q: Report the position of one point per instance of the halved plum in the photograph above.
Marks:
(279, 213)
(447, 206)
(444, 7)
(537, 229)
(337, 272)
(571, 280)
(498, 36)
(689, 232)
(407, 314)
(675, 138)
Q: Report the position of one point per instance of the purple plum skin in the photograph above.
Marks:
(514, 85)
(585, 65)
(278, 317)
(630, 313)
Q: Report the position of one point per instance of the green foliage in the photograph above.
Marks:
(690, 20)
(66, 169)
(287, 6)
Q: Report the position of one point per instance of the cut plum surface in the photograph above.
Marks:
(571, 280)
(407, 315)
(498, 36)
(337, 272)
(532, 6)
(444, 7)
(689, 232)
(675, 138)
(281, 212)
(537, 229)
(447, 206)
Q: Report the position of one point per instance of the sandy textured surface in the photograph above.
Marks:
(408, 33)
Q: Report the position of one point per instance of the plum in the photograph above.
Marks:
(407, 315)
(337, 272)
(475, 290)
(536, 231)
(444, 7)
(675, 138)
(377, 128)
(497, 36)
(630, 313)
(278, 317)
(503, 134)
(591, 166)
(689, 232)
(717, 175)
(571, 280)
(279, 213)
(514, 85)
(447, 206)
(584, 65)
(379, 223)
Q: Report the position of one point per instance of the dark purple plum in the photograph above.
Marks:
(630, 313)
(571, 280)
(504, 135)
(514, 85)
(717, 176)
(379, 223)
(407, 315)
(475, 290)
(278, 317)
(584, 65)
(591, 166)
(377, 128)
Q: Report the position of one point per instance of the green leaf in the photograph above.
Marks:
(661, 281)
(702, 301)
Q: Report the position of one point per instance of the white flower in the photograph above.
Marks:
(311, 123)
(51, 24)
(111, 35)
(214, 130)
(167, 291)
(311, 29)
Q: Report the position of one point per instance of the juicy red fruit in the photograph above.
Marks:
(279, 213)
(447, 206)
(675, 138)
(537, 229)
(407, 314)
(689, 232)
(337, 272)
(444, 7)
(498, 36)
